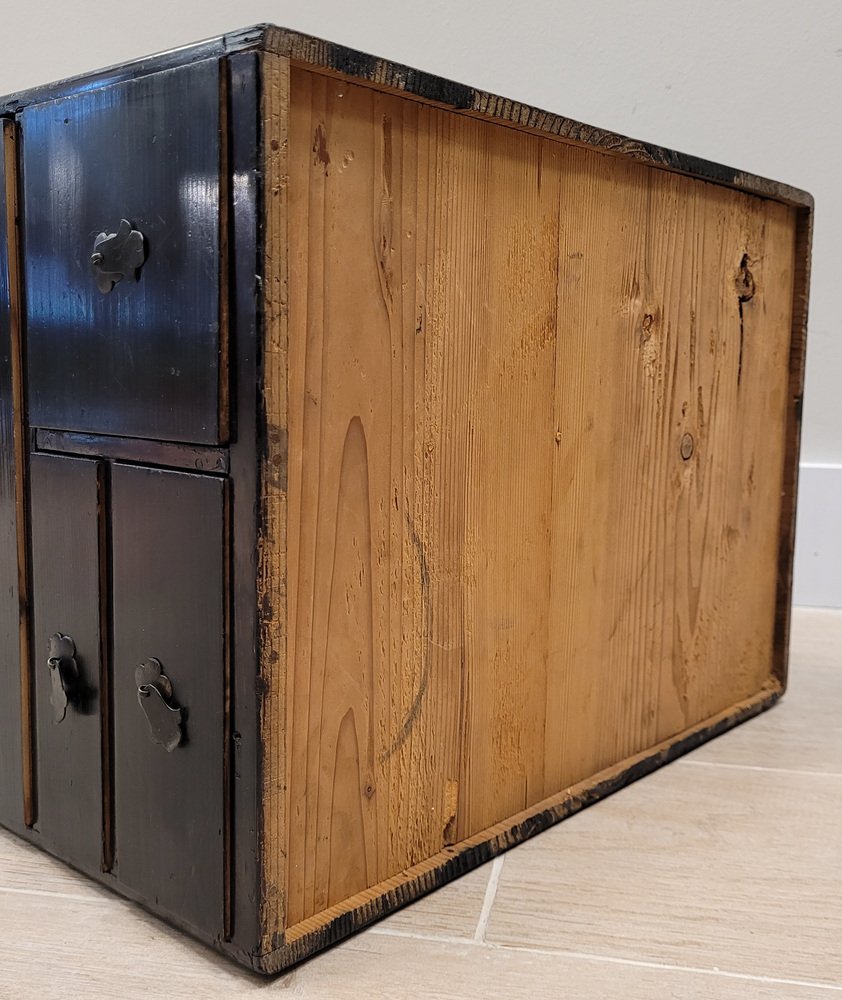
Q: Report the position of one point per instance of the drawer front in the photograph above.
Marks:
(11, 767)
(148, 358)
(168, 541)
(65, 579)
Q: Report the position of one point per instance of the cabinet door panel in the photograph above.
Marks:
(168, 539)
(65, 581)
(11, 767)
(146, 358)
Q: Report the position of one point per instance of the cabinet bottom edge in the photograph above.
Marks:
(340, 921)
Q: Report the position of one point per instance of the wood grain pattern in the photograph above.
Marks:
(272, 493)
(337, 61)
(536, 442)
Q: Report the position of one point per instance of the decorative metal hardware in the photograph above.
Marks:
(64, 673)
(154, 695)
(117, 255)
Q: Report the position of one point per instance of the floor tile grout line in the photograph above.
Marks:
(98, 898)
(433, 938)
(488, 899)
(667, 966)
(760, 767)
(606, 959)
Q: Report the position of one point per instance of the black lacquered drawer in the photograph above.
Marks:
(66, 656)
(169, 596)
(142, 355)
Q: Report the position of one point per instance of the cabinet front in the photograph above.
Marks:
(124, 258)
(169, 686)
(66, 656)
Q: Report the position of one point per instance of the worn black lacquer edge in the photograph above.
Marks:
(466, 859)
(393, 76)
(345, 61)
(166, 454)
(221, 45)
(245, 266)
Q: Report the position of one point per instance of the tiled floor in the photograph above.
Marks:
(720, 876)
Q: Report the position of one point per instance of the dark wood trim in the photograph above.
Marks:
(242, 40)
(245, 262)
(789, 486)
(339, 922)
(105, 662)
(224, 407)
(167, 455)
(318, 54)
(315, 53)
(21, 436)
(227, 728)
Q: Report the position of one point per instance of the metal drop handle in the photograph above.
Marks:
(64, 673)
(154, 695)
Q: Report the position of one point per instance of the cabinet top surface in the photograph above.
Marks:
(307, 50)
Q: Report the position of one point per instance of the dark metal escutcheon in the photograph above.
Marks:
(117, 256)
(64, 672)
(154, 694)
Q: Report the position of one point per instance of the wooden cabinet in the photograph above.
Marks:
(387, 471)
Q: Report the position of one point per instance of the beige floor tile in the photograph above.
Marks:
(23, 866)
(100, 953)
(712, 867)
(453, 910)
(375, 967)
(101, 949)
(803, 731)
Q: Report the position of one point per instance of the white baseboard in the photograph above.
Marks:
(818, 537)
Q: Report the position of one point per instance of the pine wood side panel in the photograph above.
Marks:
(668, 596)
(373, 697)
(504, 574)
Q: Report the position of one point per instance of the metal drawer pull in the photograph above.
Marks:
(154, 694)
(64, 673)
(117, 255)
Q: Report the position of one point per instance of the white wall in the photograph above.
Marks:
(755, 84)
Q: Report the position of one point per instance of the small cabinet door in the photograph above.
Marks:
(66, 656)
(145, 356)
(169, 593)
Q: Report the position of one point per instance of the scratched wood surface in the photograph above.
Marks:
(536, 409)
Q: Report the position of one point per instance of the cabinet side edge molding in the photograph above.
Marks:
(16, 458)
(272, 567)
(437, 478)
